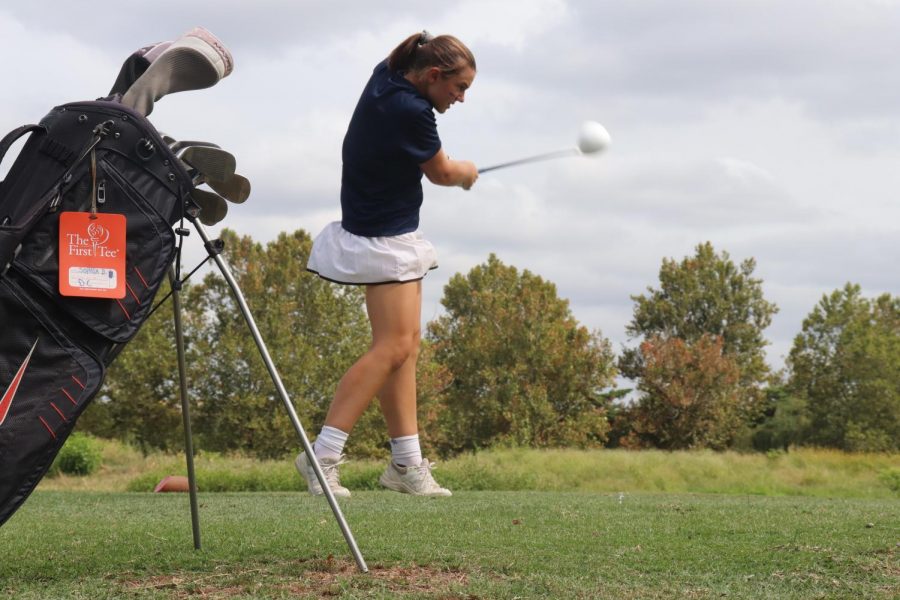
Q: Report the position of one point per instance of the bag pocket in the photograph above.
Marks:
(47, 380)
(149, 252)
(30, 186)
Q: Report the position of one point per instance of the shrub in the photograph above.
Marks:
(79, 456)
(891, 478)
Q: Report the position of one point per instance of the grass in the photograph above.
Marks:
(803, 472)
(475, 545)
(521, 524)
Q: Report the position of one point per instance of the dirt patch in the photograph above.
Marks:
(311, 579)
(343, 576)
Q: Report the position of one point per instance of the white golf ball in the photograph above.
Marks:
(593, 137)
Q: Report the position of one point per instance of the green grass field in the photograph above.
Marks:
(521, 524)
(473, 545)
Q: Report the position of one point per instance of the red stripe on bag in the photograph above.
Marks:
(62, 416)
(144, 281)
(75, 379)
(133, 295)
(122, 306)
(69, 396)
(47, 426)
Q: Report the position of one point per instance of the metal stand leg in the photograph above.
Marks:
(338, 515)
(185, 408)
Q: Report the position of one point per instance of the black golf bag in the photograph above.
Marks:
(86, 156)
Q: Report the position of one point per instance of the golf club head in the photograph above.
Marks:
(197, 177)
(213, 207)
(234, 189)
(215, 164)
(178, 146)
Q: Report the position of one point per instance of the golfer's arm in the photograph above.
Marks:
(440, 170)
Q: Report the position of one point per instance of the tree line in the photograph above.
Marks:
(508, 364)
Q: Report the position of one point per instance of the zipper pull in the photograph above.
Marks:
(54, 204)
(101, 192)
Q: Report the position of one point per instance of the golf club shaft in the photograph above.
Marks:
(545, 156)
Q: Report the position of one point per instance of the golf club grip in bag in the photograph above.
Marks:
(53, 348)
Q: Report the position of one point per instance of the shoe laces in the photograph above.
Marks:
(331, 473)
(424, 470)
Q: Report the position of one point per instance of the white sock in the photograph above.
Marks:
(405, 451)
(330, 443)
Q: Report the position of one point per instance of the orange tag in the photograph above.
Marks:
(92, 255)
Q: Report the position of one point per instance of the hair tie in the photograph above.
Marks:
(424, 38)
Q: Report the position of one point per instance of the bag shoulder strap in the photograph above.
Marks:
(15, 134)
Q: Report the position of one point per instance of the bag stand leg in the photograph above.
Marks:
(214, 250)
(185, 407)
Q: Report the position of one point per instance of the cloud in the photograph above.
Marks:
(769, 129)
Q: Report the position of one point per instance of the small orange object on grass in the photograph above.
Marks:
(173, 483)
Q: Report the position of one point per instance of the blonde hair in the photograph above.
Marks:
(422, 51)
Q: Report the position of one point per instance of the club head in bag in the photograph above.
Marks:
(213, 207)
(214, 163)
(194, 61)
(178, 146)
(234, 189)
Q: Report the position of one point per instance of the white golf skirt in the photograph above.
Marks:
(342, 257)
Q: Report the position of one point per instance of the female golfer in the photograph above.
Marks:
(391, 141)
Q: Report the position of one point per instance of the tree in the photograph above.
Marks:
(690, 394)
(313, 329)
(139, 401)
(703, 345)
(519, 369)
(432, 382)
(784, 422)
(845, 364)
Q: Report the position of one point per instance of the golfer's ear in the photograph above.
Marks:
(433, 74)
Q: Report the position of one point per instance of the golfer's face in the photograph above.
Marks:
(446, 91)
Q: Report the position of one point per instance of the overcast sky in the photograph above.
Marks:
(771, 129)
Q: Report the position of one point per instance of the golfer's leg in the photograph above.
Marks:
(394, 315)
(398, 394)
(398, 400)
(407, 472)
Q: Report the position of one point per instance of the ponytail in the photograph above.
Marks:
(423, 51)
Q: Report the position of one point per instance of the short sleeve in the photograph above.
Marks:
(421, 141)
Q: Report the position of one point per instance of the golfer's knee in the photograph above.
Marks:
(397, 351)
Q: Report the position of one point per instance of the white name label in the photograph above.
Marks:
(92, 278)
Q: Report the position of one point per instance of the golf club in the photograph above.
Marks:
(177, 146)
(213, 207)
(215, 164)
(235, 188)
(592, 138)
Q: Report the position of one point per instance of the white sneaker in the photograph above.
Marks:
(329, 468)
(412, 480)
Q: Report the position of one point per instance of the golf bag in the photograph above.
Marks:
(100, 157)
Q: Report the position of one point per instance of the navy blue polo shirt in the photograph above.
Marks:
(391, 133)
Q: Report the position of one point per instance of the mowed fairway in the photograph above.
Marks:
(473, 545)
